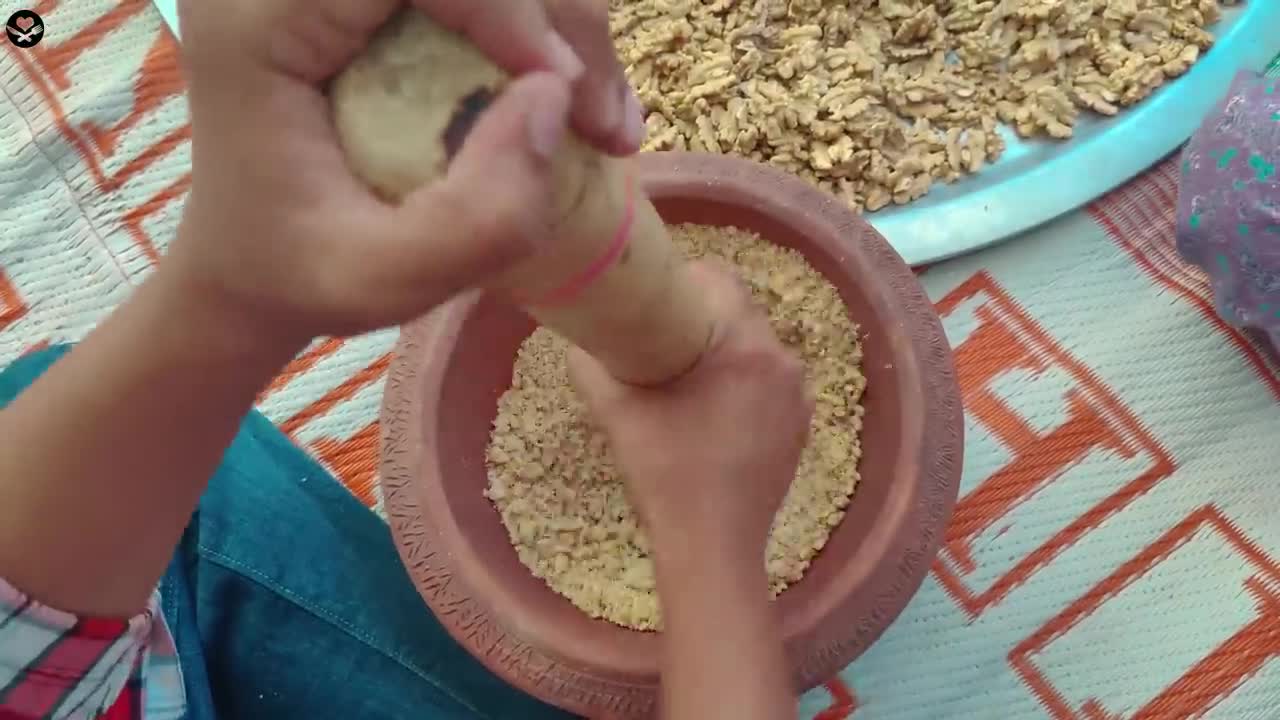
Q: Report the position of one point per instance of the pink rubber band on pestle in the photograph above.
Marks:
(580, 282)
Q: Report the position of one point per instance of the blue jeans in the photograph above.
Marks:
(287, 600)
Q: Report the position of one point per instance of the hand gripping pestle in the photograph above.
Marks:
(611, 281)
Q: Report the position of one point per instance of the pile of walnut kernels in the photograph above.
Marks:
(562, 501)
(876, 100)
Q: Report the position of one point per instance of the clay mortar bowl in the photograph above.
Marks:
(450, 368)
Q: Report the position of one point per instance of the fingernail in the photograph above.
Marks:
(548, 123)
(564, 61)
(611, 118)
(634, 128)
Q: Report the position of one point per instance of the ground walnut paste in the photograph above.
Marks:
(553, 480)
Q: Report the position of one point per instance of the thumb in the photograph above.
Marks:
(596, 388)
(494, 205)
(728, 300)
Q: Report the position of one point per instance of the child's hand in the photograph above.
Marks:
(277, 229)
(709, 458)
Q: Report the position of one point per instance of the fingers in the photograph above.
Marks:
(492, 208)
(744, 335)
(568, 37)
(724, 287)
(515, 34)
(737, 318)
(307, 40)
(317, 39)
(606, 111)
(593, 384)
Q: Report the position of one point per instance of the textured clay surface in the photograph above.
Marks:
(441, 400)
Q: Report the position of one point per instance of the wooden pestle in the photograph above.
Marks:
(611, 282)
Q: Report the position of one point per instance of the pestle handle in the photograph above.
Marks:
(613, 282)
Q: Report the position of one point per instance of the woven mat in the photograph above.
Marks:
(1110, 557)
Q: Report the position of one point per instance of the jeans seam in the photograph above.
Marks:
(327, 617)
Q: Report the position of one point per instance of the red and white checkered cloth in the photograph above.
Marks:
(56, 665)
(1114, 553)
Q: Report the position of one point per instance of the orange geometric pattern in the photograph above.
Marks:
(160, 78)
(372, 373)
(113, 163)
(1007, 340)
(11, 306)
(301, 364)
(133, 219)
(1139, 218)
(843, 701)
(1229, 665)
(48, 70)
(355, 460)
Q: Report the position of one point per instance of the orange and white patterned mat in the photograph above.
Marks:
(1111, 557)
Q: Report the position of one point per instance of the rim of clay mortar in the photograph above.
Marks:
(825, 633)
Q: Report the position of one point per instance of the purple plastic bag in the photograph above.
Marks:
(1229, 203)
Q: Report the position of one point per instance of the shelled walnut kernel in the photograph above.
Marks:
(552, 478)
(877, 100)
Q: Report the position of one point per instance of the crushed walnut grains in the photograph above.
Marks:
(552, 478)
(877, 100)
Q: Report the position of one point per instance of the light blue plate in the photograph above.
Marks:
(1036, 181)
(169, 11)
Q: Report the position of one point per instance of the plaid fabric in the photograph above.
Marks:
(56, 666)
